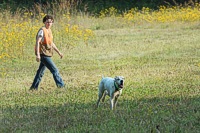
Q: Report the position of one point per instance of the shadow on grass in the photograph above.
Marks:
(141, 115)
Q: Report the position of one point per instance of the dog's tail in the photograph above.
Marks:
(102, 76)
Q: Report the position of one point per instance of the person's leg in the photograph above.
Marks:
(38, 76)
(52, 67)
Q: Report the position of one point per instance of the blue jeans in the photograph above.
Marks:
(46, 61)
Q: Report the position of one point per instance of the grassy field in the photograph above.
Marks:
(160, 63)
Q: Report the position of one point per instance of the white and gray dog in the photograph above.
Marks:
(111, 87)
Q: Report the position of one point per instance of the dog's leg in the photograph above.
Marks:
(116, 96)
(101, 92)
(115, 101)
(104, 95)
(111, 102)
(99, 98)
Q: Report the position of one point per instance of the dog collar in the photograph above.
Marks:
(116, 86)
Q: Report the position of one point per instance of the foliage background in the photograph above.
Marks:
(95, 6)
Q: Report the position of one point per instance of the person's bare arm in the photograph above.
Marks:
(37, 46)
(56, 49)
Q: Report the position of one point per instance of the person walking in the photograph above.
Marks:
(44, 51)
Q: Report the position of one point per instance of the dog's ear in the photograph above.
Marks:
(116, 78)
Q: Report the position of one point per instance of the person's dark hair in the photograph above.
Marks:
(48, 17)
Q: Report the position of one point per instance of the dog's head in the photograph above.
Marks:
(119, 80)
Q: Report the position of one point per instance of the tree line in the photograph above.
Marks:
(94, 6)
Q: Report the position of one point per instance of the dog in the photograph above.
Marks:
(111, 87)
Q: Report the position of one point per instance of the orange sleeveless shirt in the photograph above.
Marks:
(45, 45)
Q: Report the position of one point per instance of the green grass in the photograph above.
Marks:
(160, 64)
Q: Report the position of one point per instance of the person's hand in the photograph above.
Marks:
(38, 58)
(61, 55)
